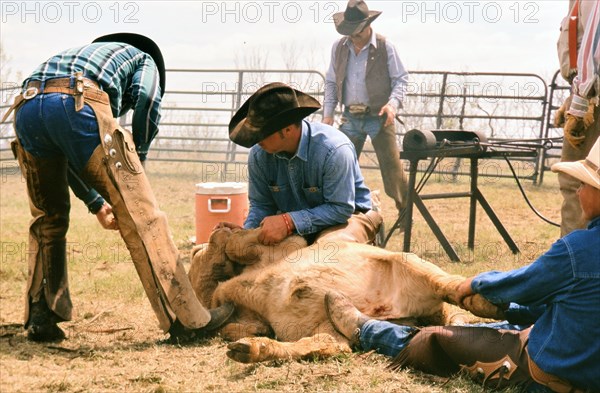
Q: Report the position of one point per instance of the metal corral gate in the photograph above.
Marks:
(198, 105)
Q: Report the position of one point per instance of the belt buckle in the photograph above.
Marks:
(358, 110)
(30, 92)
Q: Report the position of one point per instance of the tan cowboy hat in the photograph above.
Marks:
(587, 171)
(271, 108)
(356, 17)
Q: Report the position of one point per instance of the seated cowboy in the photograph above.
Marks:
(559, 293)
(304, 177)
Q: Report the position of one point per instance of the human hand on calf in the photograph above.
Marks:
(273, 229)
(481, 307)
(463, 290)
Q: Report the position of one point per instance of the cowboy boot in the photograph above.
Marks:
(346, 319)
(43, 323)
(179, 334)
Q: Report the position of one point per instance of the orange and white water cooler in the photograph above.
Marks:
(219, 202)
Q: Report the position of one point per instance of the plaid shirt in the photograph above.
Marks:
(131, 80)
(127, 75)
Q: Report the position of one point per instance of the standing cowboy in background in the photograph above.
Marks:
(67, 134)
(368, 78)
(579, 57)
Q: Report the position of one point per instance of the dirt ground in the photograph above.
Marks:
(114, 343)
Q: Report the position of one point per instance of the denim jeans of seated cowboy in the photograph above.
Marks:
(383, 138)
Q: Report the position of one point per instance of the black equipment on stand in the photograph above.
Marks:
(435, 145)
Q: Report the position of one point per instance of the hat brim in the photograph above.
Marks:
(144, 44)
(580, 170)
(345, 27)
(242, 133)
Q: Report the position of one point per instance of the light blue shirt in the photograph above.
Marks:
(319, 186)
(566, 280)
(355, 86)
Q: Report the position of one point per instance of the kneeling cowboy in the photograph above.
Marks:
(67, 134)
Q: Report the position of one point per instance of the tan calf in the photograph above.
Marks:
(279, 291)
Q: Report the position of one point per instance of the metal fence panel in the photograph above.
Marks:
(198, 105)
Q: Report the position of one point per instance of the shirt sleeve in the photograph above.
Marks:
(546, 279)
(146, 97)
(330, 96)
(586, 84)
(398, 76)
(338, 190)
(87, 194)
(259, 195)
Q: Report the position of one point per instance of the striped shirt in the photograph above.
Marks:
(127, 75)
(587, 82)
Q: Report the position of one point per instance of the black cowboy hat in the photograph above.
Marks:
(271, 108)
(356, 17)
(144, 44)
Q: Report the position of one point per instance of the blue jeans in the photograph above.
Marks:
(384, 337)
(48, 127)
(357, 129)
(385, 145)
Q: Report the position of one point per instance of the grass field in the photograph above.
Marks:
(114, 343)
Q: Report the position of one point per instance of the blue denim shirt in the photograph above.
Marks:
(320, 186)
(565, 340)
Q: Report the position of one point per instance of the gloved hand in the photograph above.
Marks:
(579, 118)
(588, 118)
(574, 130)
(560, 114)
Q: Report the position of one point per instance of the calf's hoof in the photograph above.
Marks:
(247, 350)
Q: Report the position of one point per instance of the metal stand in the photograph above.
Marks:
(475, 196)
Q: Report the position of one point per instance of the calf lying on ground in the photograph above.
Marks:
(279, 291)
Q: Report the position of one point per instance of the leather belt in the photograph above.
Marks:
(79, 87)
(66, 82)
(359, 110)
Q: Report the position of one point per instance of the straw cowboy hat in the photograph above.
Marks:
(269, 109)
(144, 44)
(587, 171)
(356, 17)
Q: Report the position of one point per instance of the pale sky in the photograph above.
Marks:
(505, 36)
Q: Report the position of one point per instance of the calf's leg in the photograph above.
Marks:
(261, 349)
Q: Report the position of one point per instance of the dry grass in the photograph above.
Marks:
(115, 345)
